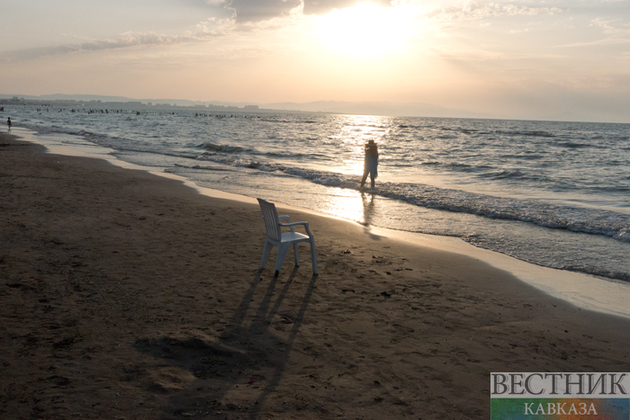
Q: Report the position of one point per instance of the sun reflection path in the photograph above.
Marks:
(350, 204)
(354, 132)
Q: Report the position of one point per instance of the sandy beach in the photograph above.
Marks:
(129, 296)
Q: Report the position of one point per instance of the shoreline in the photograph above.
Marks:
(583, 290)
(125, 295)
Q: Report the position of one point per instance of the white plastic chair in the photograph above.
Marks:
(283, 240)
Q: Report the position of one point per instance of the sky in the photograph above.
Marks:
(528, 59)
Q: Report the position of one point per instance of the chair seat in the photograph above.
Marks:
(294, 237)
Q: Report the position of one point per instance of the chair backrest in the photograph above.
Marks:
(272, 222)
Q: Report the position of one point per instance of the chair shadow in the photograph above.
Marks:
(297, 323)
(247, 355)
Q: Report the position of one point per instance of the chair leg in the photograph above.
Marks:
(314, 256)
(297, 258)
(282, 252)
(266, 253)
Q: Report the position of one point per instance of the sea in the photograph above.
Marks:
(555, 194)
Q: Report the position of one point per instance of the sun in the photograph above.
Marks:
(367, 29)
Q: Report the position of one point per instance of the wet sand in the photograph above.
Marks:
(127, 295)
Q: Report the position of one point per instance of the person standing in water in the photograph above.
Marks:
(371, 163)
(9, 123)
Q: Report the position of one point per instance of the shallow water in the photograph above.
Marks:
(550, 193)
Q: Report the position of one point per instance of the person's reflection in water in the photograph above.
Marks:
(368, 208)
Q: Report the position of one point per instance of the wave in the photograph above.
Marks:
(221, 148)
(573, 145)
(575, 219)
(228, 154)
(525, 133)
(287, 121)
(199, 167)
(506, 174)
(597, 271)
(579, 145)
(56, 129)
(507, 133)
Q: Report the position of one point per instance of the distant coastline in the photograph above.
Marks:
(422, 110)
(327, 107)
(131, 105)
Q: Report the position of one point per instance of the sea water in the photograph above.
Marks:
(555, 194)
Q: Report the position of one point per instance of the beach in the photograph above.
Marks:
(130, 296)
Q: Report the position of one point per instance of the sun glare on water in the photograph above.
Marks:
(367, 30)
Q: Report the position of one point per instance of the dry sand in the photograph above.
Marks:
(124, 295)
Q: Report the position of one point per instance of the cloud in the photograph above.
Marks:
(597, 43)
(258, 10)
(246, 11)
(204, 31)
(471, 10)
(614, 31)
(613, 27)
(321, 7)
